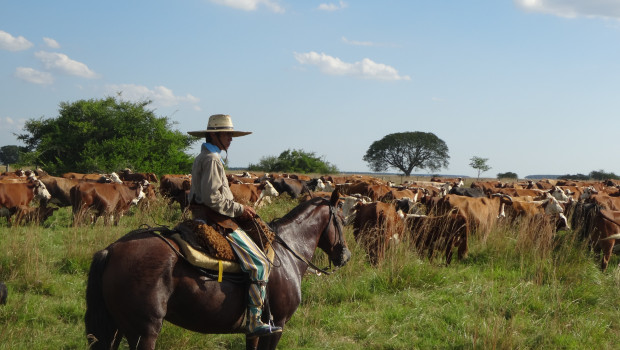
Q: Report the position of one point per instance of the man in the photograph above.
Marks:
(210, 193)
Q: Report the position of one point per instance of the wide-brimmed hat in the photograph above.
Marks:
(220, 123)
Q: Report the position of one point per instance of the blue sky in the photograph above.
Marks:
(532, 85)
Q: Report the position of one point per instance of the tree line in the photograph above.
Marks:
(110, 134)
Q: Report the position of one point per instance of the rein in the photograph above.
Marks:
(308, 262)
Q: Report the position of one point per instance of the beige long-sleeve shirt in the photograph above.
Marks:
(210, 185)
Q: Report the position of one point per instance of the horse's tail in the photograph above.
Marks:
(100, 327)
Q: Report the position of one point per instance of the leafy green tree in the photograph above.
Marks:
(407, 151)
(294, 161)
(507, 175)
(106, 135)
(479, 164)
(602, 175)
(10, 154)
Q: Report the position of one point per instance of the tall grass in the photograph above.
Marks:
(522, 287)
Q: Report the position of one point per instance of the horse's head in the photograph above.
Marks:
(332, 239)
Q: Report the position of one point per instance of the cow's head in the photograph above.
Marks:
(40, 191)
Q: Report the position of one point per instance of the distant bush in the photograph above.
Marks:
(294, 161)
(507, 175)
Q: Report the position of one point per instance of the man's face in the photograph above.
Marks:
(223, 139)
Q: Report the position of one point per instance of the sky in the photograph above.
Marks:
(533, 86)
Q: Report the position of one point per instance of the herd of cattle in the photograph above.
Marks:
(435, 216)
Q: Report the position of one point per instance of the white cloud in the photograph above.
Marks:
(574, 8)
(11, 43)
(160, 95)
(8, 123)
(357, 43)
(34, 76)
(333, 7)
(251, 5)
(51, 43)
(62, 63)
(366, 68)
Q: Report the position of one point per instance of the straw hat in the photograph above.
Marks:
(219, 123)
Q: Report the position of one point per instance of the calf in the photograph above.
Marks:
(35, 215)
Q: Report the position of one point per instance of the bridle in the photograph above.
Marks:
(340, 240)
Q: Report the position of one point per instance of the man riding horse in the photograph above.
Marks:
(211, 194)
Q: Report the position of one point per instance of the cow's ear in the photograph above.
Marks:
(334, 199)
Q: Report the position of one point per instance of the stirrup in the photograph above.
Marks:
(263, 330)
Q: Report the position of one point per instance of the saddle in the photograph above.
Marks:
(205, 245)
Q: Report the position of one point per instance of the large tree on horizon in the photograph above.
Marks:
(105, 135)
(407, 151)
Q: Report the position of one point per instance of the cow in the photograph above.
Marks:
(37, 215)
(14, 195)
(111, 200)
(175, 188)
(87, 177)
(4, 292)
(267, 191)
(547, 208)
(482, 213)
(59, 189)
(128, 175)
(246, 194)
(446, 232)
(606, 234)
(374, 225)
(468, 191)
(591, 195)
(293, 187)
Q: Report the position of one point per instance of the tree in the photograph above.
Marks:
(602, 175)
(10, 154)
(407, 151)
(295, 161)
(479, 164)
(507, 175)
(106, 135)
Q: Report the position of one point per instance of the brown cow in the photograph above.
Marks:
(59, 189)
(14, 195)
(548, 208)
(244, 193)
(108, 200)
(606, 234)
(482, 213)
(373, 226)
(36, 215)
(128, 175)
(176, 189)
(445, 232)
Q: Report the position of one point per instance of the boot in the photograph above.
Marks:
(255, 326)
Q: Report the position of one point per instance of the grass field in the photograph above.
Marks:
(521, 287)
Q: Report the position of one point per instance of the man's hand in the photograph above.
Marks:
(248, 213)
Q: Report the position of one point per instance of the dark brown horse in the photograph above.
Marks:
(139, 281)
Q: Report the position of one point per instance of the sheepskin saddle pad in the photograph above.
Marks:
(210, 239)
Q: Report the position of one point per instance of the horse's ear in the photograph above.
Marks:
(334, 200)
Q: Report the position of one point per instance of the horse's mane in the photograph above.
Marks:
(291, 215)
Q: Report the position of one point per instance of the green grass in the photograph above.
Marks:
(520, 288)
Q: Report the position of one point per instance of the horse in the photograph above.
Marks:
(141, 280)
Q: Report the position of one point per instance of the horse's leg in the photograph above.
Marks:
(144, 341)
(269, 342)
(251, 343)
